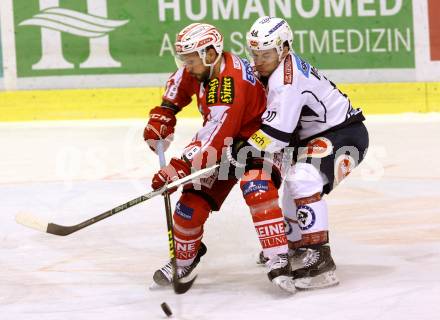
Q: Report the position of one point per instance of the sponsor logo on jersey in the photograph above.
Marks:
(344, 164)
(306, 217)
(302, 66)
(260, 140)
(212, 93)
(248, 72)
(288, 70)
(316, 148)
(255, 186)
(184, 211)
(227, 90)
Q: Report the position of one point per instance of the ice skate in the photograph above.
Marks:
(280, 274)
(319, 270)
(297, 258)
(163, 276)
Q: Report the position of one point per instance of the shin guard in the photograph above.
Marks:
(293, 232)
(261, 196)
(189, 217)
(312, 217)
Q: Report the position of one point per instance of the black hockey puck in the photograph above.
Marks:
(166, 308)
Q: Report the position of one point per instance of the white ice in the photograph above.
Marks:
(384, 222)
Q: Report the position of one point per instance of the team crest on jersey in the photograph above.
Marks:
(306, 217)
(184, 211)
(288, 70)
(227, 90)
(316, 148)
(255, 186)
(344, 165)
(212, 93)
(302, 66)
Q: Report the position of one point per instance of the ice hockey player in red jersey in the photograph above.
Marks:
(332, 142)
(231, 101)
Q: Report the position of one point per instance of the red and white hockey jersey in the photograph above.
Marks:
(301, 98)
(231, 105)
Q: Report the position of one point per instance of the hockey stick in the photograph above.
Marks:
(179, 287)
(31, 221)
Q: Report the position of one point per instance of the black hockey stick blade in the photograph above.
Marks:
(31, 221)
(182, 287)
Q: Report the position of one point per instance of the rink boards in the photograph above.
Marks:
(373, 98)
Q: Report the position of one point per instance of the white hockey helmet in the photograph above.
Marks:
(269, 33)
(196, 38)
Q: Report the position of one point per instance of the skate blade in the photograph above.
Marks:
(285, 283)
(157, 287)
(324, 280)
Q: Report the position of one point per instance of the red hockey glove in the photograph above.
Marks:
(160, 126)
(177, 169)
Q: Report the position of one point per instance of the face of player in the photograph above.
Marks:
(194, 65)
(266, 61)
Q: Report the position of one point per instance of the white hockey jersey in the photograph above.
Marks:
(301, 98)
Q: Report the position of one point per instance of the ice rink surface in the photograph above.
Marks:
(384, 228)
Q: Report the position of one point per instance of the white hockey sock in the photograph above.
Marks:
(313, 222)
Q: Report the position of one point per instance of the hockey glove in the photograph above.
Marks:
(240, 153)
(176, 169)
(160, 126)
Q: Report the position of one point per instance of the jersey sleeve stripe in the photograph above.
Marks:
(277, 134)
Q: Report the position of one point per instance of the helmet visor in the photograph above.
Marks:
(189, 59)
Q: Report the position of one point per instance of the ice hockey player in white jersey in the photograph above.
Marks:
(331, 141)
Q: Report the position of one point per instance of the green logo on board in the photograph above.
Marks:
(93, 25)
